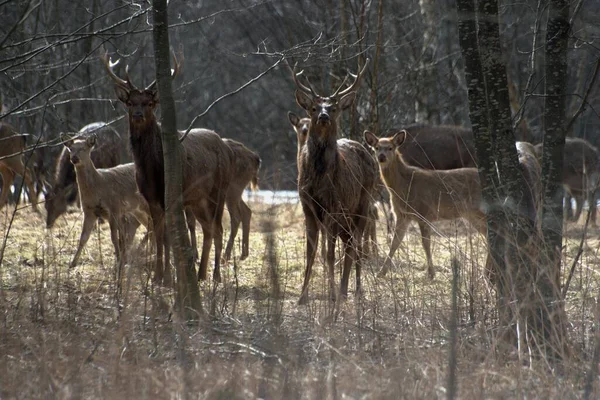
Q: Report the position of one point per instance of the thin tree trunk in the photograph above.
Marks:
(553, 327)
(188, 295)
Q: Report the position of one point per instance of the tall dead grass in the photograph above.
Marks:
(70, 334)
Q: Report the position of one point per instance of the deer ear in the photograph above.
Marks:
(371, 139)
(294, 119)
(346, 100)
(304, 100)
(90, 141)
(398, 138)
(155, 98)
(66, 139)
(122, 94)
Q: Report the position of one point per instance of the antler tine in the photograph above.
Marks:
(342, 85)
(356, 80)
(300, 85)
(108, 65)
(174, 72)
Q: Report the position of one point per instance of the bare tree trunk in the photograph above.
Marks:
(553, 327)
(511, 215)
(188, 295)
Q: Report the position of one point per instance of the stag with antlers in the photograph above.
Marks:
(208, 166)
(336, 180)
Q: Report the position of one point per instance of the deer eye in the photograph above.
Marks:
(128, 104)
(314, 109)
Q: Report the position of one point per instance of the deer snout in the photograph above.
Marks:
(382, 158)
(75, 159)
(323, 118)
(137, 116)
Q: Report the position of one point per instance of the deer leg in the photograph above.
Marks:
(349, 258)
(191, 223)
(7, 179)
(401, 225)
(568, 206)
(324, 250)
(88, 224)
(329, 245)
(234, 217)
(426, 242)
(579, 199)
(217, 229)
(246, 213)
(312, 241)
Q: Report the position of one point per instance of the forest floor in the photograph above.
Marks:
(69, 333)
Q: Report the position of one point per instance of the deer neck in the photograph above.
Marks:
(322, 154)
(397, 172)
(87, 178)
(146, 141)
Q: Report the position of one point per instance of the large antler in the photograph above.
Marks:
(174, 71)
(307, 89)
(351, 87)
(108, 65)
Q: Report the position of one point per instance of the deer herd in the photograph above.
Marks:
(430, 173)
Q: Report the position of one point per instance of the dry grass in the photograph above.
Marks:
(67, 334)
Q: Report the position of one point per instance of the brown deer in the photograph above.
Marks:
(12, 147)
(581, 169)
(336, 180)
(208, 167)
(109, 193)
(301, 126)
(438, 147)
(63, 190)
(245, 172)
(425, 196)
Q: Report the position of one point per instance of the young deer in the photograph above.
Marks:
(12, 144)
(425, 196)
(301, 127)
(110, 194)
(63, 190)
(208, 165)
(336, 180)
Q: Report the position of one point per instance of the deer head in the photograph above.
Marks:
(79, 149)
(325, 110)
(301, 126)
(385, 148)
(140, 103)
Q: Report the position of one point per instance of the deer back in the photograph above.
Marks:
(439, 147)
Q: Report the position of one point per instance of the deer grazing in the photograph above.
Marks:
(63, 190)
(110, 194)
(301, 126)
(208, 167)
(336, 180)
(425, 196)
(12, 146)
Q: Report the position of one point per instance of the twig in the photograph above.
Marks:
(245, 85)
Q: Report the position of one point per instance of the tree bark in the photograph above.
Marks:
(188, 296)
(553, 327)
(511, 216)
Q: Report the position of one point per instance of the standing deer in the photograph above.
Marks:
(245, 172)
(208, 164)
(425, 196)
(63, 190)
(12, 146)
(581, 169)
(109, 193)
(336, 180)
(301, 126)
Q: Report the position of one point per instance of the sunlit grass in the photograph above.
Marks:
(68, 333)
